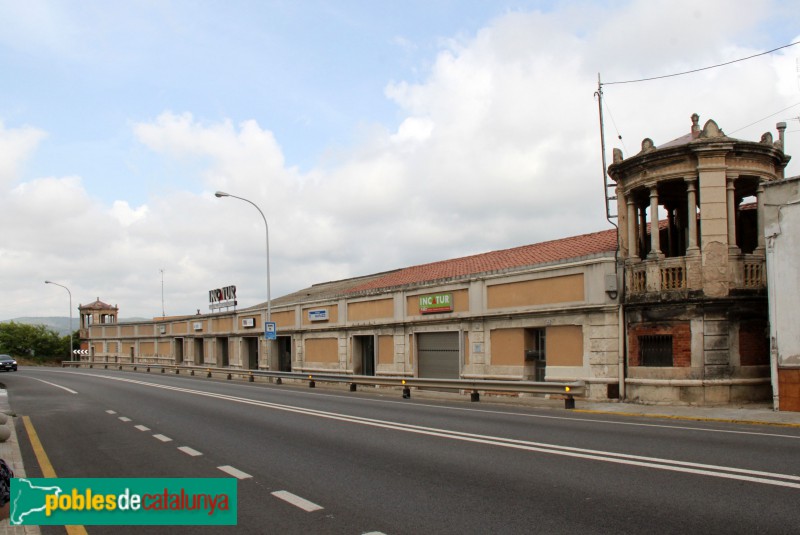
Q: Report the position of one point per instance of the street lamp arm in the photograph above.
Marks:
(266, 226)
(70, 315)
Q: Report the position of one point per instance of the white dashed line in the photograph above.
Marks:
(230, 470)
(124, 419)
(297, 501)
(189, 451)
(162, 438)
(111, 412)
(142, 427)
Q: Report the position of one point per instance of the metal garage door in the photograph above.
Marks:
(438, 355)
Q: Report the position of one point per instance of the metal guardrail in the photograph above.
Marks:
(567, 389)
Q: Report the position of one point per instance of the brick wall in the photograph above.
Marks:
(789, 389)
(753, 343)
(681, 341)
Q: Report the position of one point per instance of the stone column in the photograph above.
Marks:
(633, 238)
(731, 205)
(655, 238)
(691, 216)
(761, 249)
(642, 230)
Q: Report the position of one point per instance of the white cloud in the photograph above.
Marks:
(497, 146)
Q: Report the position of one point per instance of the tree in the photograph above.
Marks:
(33, 341)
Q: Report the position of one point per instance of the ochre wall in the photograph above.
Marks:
(536, 292)
(370, 310)
(223, 325)
(180, 328)
(147, 330)
(385, 349)
(147, 348)
(508, 347)
(283, 319)
(128, 330)
(322, 350)
(564, 345)
(460, 302)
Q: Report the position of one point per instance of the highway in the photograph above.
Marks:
(329, 461)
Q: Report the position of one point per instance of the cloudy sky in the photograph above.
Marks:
(373, 135)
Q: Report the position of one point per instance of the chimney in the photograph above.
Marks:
(781, 129)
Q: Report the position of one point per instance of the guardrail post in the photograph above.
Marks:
(134, 368)
(311, 382)
(569, 402)
(120, 366)
(105, 366)
(229, 377)
(352, 387)
(250, 378)
(148, 369)
(208, 370)
(163, 370)
(177, 371)
(474, 396)
(278, 381)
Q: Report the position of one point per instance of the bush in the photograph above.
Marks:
(35, 342)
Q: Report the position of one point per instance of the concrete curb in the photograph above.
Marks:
(10, 452)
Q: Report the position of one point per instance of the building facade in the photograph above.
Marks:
(695, 300)
(675, 311)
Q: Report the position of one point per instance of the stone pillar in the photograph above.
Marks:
(655, 238)
(633, 239)
(760, 249)
(731, 205)
(642, 230)
(691, 217)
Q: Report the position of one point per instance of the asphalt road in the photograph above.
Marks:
(373, 462)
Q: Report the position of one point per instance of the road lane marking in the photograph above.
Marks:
(124, 419)
(162, 438)
(111, 412)
(142, 427)
(189, 451)
(754, 476)
(44, 464)
(55, 385)
(297, 501)
(235, 472)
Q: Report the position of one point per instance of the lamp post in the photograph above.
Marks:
(69, 350)
(266, 226)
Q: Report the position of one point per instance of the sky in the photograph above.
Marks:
(372, 135)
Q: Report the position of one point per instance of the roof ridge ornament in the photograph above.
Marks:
(647, 146)
(711, 129)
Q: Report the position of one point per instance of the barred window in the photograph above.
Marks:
(655, 350)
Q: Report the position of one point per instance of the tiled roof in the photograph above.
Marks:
(496, 261)
(97, 305)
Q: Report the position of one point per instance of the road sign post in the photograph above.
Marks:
(270, 330)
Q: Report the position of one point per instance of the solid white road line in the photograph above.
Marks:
(230, 470)
(55, 385)
(124, 419)
(297, 501)
(189, 451)
(162, 438)
(142, 427)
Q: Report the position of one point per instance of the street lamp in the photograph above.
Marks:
(69, 351)
(266, 225)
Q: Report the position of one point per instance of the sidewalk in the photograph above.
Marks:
(9, 451)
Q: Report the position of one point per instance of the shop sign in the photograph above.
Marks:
(319, 314)
(436, 303)
(222, 297)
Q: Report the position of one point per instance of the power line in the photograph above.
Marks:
(704, 68)
(767, 117)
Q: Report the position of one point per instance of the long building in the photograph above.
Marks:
(676, 315)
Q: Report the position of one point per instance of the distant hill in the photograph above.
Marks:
(60, 324)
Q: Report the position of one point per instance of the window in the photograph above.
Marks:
(655, 350)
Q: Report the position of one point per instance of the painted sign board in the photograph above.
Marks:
(435, 303)
(248, 322)
(270, 330)
(318, 314)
